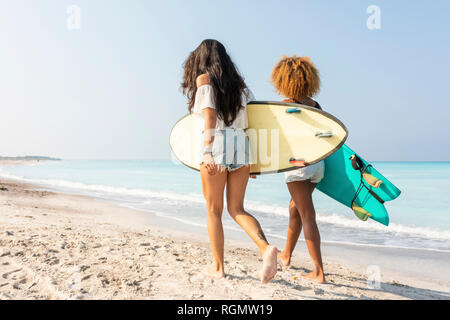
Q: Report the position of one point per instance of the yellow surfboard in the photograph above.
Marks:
(282, 137)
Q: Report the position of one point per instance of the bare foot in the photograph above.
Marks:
(269, 269)
(315, 276)
(285, 258)
(213, 272)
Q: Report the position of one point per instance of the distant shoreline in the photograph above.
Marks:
(29, 158)
(26, 159)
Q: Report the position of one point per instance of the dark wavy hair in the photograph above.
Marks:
(211, 57)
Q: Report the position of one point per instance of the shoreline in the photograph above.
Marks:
(24, 161)
(113, 252)
(337, 225)
(115, 196)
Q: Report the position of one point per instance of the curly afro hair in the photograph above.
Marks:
(296, 77)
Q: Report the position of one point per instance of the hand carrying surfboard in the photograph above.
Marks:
(282, 137)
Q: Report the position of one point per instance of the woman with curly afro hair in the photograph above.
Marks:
(297, 79)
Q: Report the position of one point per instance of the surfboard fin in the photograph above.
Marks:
(293, 110)
(361, 213)
(327, 134)
(371, 180)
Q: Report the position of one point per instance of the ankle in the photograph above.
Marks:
(284, 254)
(263, 249)
(318, 271)
(218, 267)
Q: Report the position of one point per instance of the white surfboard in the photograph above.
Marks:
(282, 137)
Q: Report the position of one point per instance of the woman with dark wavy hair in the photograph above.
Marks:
(218, 96)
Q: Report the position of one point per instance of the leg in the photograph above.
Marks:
(301, 193)
(294, 230)
(236, 185)
(213, 187)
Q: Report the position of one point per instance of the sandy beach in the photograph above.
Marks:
(59, 246)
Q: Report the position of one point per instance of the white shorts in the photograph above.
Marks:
(314, 172)
(231, 149)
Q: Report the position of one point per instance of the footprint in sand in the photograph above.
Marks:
(4, 254)
(4, 296)
(84, 268)
(86, 277)
(7, 274)
(318, 292)
(17, 284)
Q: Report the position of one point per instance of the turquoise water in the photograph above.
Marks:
(420, 217)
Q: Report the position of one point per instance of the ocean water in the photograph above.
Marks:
(420, 217)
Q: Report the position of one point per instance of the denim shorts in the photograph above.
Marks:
(231, 149)
(314, 172)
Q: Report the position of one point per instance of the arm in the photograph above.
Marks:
(210, 117)
(209, 129)
(210, 125)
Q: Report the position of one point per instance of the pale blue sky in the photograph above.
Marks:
(111, 89)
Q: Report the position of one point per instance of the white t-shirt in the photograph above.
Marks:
(204, 98)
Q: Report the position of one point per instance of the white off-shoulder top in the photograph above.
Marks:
(204, 98)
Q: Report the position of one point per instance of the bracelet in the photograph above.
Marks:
(207, 149)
